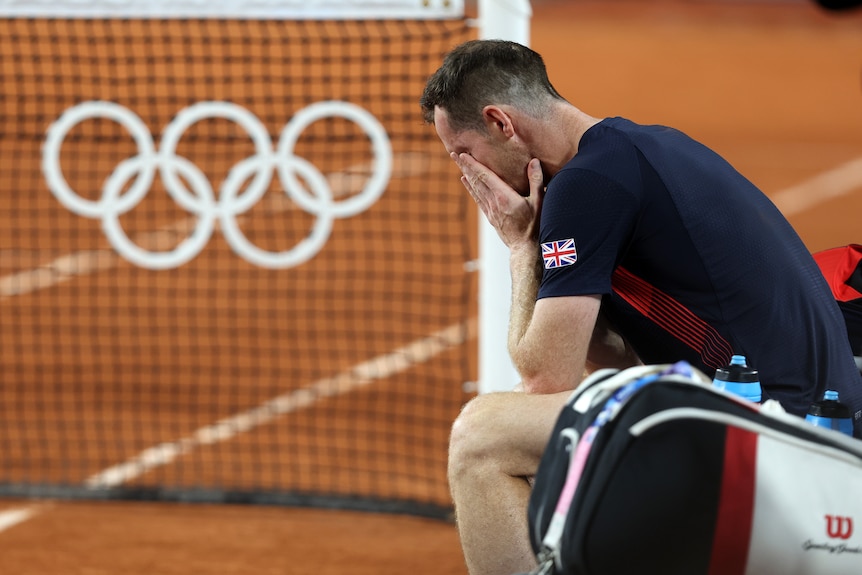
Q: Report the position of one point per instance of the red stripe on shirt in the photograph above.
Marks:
(673, 317)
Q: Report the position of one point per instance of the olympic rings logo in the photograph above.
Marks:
(177, 171)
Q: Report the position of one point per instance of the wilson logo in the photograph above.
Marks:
(838, 527)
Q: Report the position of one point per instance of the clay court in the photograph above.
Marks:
(774, 86)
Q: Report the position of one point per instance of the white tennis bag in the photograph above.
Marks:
(652, 470)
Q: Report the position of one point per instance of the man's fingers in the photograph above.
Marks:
(478, 178)
(466, 184)
(535, 168)
(537, 184)
(474, 171)
(478, 198)
(534, 172)
(474, 176)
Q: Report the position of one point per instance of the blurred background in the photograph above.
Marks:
(222, 413)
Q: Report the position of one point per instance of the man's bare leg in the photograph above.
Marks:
(496, 445)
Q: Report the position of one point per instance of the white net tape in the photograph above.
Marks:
(240, 9)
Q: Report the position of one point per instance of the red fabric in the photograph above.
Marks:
(736, 504)
(837, 264)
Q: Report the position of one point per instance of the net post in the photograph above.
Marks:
(505, 20)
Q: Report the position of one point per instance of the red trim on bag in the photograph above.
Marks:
(736, 505)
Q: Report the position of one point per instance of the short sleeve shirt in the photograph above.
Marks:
(692, 262)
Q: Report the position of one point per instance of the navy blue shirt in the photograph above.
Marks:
(693, 262)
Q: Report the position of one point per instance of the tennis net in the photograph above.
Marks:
(233, 262)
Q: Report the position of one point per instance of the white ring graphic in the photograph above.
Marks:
(177, 173)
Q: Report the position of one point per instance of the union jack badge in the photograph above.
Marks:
(559, 253)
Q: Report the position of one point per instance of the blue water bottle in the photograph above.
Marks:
(831, 413)
(740, 379)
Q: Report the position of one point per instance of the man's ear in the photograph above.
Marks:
(498, 121)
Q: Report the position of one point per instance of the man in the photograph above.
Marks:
(627, 243)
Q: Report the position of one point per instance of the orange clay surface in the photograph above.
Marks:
(774, 86)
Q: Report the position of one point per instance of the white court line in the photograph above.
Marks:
(85, 262)
(13, 517)
(823, 187)
(380, 367)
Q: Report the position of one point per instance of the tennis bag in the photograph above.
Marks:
(652, 470)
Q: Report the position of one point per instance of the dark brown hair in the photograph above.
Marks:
(482, 72)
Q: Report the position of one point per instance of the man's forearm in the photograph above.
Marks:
(548, 339)
(526, 270)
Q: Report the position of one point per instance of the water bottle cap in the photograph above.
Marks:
(738, 371)
(830, 407)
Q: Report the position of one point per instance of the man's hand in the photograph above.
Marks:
(515, 217)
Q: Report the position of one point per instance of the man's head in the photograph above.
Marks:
(481, 101)
(483, 72)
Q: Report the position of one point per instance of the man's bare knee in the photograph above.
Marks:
(474, 436)
(505, 432)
